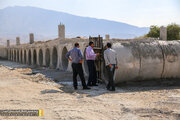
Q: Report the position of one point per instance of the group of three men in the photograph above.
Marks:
(76, 57)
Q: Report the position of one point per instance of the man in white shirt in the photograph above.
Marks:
(110, 58)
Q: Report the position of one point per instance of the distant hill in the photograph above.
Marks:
(20, 21)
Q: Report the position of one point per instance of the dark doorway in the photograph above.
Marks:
(29, 57)
(47, 58)
(40, 57)
(64, 59)
(34, 57)
(54, 57)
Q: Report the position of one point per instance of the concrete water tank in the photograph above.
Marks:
(147, 60)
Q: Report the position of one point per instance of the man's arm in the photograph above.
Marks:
(80, 54)
(68, 55)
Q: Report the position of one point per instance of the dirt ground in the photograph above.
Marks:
(25, 88)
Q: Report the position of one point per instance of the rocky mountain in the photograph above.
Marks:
(20, 21)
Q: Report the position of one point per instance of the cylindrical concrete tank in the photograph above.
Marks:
(171, 53)
(151, 60)
(147, 60)
(128, 61)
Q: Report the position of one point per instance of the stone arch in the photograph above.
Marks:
(54, 57)
(34, 57)
(40, 57)
(14, 55)
(29, 57)
(64, 60)
(17, 55)
(21, 60)
(7, 53)
(10, 54)
(25, 61)
(47, 57)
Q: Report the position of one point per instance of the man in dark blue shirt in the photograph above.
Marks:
(75, 55)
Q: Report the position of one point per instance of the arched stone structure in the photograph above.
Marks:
(7, 55)
(40, 57)
(15, 55)
(21, 56)
(29, 60)
(9, 58)
(10, 54)
(47, 57)
(25, 57)
(64, 60)
(17, 59)
(34, 57)
(54, 57)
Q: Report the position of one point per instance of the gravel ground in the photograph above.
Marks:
(24, 87)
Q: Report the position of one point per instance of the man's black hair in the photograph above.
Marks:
(90, 43)
(76, 44)
(109, 45)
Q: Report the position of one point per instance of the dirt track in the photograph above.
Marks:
(21, 90)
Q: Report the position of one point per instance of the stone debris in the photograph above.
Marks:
(39, 77)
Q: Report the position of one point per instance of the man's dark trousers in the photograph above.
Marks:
(110, 72)
(92, 80)
(78, 70)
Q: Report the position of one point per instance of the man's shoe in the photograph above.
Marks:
(94, 85)
(86, 88)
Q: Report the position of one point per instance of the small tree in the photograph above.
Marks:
(154, 31)
(173, 32)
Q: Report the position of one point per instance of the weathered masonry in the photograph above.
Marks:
(137, 59)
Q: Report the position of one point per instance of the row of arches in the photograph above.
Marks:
(44, 57)
(39, 57)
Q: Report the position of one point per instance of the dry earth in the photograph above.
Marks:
(19, 89)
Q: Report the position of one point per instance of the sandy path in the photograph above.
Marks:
(60, 101)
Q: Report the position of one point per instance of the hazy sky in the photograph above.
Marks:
(135, 12)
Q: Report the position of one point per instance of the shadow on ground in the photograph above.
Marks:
(140, 86)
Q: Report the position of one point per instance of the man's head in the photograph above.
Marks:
(91, 44)
(76, 45)
(108, 45)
